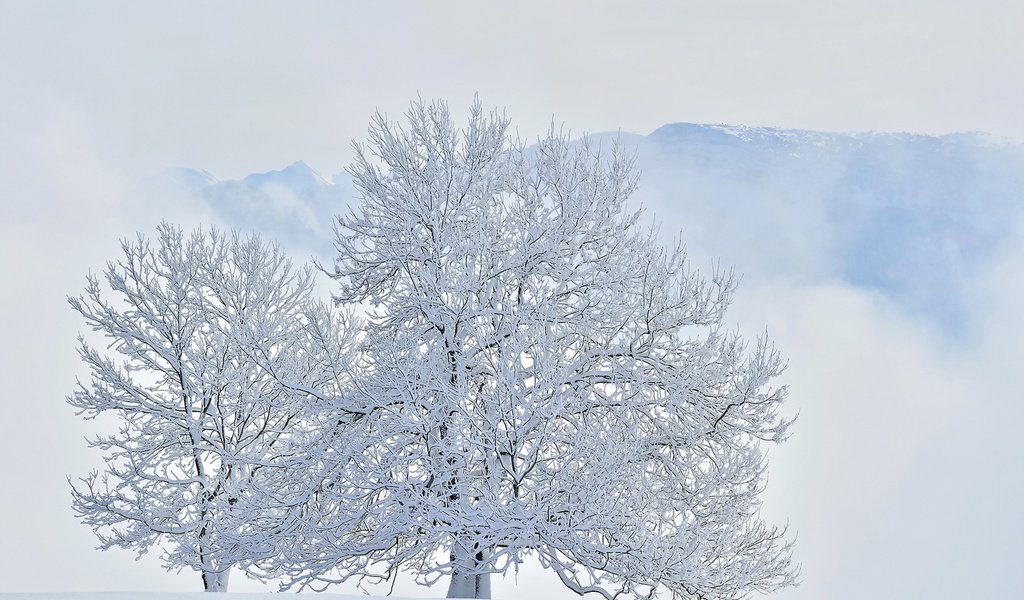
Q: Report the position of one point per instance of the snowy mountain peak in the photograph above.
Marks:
(297, 176)
(775, 138)
(741, 135)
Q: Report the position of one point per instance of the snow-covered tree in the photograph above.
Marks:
(203, 329)
(539, 377)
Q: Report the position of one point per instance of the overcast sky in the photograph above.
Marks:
(902, 471)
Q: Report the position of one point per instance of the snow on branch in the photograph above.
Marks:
(538, 376)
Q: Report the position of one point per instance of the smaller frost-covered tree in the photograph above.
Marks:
(203, 329)
(540, 378)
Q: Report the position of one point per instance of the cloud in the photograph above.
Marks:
(875, 398)
(890, 278)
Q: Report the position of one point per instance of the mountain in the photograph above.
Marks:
(909, 216)
(295, 205)
(298, 177)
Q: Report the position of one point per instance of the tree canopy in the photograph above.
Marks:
(539, 377)
(203, 328)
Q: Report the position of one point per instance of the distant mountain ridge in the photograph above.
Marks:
(298, 177)
(773, 135)
(907, 215)
(910, 216)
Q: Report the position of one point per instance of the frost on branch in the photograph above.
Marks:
(539, 377)
(212, 343)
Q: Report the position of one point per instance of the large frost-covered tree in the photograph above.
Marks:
(539, 377)
(203, 329)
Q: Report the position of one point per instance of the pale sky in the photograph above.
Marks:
(902, 469)
(246, 86)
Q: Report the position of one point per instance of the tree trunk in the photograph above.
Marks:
(468, 586)
(214, 581)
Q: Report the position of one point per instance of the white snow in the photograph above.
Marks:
(178, 596)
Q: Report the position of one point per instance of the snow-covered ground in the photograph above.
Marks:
(171, 596)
